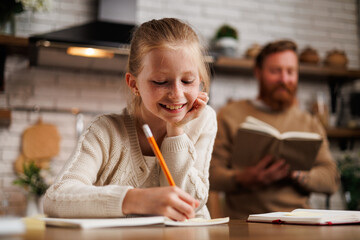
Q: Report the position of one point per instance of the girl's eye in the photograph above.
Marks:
(159, 83)
(187, 81)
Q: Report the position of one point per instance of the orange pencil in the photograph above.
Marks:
(158, 154)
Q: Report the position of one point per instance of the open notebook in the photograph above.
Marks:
(87, 223)
(308, 216)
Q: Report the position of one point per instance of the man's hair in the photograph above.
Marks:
(274, 47)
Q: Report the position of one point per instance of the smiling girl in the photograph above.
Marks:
(114, 172)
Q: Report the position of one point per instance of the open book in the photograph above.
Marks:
(87, 223)
(255, 139)
(308, 216)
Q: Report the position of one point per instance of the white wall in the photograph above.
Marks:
(63, 13)
(323, 24)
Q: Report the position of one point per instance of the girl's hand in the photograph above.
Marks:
(198, 106)
(171, 202)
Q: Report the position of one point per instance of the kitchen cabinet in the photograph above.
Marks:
(335, 78)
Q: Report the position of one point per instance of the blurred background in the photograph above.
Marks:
(42, 83)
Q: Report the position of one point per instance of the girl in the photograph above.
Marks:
(113, 172)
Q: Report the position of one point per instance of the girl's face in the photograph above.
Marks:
(168, 84)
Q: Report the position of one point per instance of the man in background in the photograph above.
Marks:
(270, 185)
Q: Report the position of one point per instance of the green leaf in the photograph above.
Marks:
(31, 179)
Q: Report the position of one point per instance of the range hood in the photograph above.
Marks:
(113, 39)
(99, 45)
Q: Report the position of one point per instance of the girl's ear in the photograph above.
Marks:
(131, 82)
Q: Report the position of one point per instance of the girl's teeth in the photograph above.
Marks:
(174, 107)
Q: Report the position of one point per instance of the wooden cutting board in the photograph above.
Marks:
(21, 160)
(40, 141)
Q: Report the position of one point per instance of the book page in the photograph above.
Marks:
(197, 222)
(271, 131)
(256, 139)
(300, 135)
(87, 223)
(335, 215)
(266, 217)
(326, 211)
(286, 217)
(309, 216)
(258, 125)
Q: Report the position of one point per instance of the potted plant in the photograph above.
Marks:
(33, 181)
(349, 168)
(226, 40)
(10, 8)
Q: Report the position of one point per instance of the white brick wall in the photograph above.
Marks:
(322, 24)
(63, 13)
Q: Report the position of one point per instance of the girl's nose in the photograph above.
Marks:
(175, 91)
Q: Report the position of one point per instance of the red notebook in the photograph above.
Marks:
(308, 216)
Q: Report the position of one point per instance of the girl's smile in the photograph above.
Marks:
(172, 108)
(168, 84)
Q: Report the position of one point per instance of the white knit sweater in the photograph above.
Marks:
(108, 161)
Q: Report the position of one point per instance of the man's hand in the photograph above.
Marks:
(264, 173)
(301, 177)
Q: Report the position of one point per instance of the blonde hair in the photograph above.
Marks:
(164, 33)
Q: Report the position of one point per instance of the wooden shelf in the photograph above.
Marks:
(233, 65)
(242, 66)
(343, 133)
(14, 45)
(13, 41)
(245, 66)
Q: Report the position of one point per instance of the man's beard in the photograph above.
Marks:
(275, 100)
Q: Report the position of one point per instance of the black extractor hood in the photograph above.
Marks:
(111, 39)
(97, 33)
(99, 45)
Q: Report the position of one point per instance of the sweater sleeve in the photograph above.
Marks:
(221, 173)
(75, 194)
(188, 158)
(323, 176)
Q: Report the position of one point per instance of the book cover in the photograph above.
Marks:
(308, 217)
(88, 223)
(256, 139)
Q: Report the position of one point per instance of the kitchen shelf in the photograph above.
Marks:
(13, 40)
(342, 133)
(334, 77)
(245, 66)
(14, 44)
